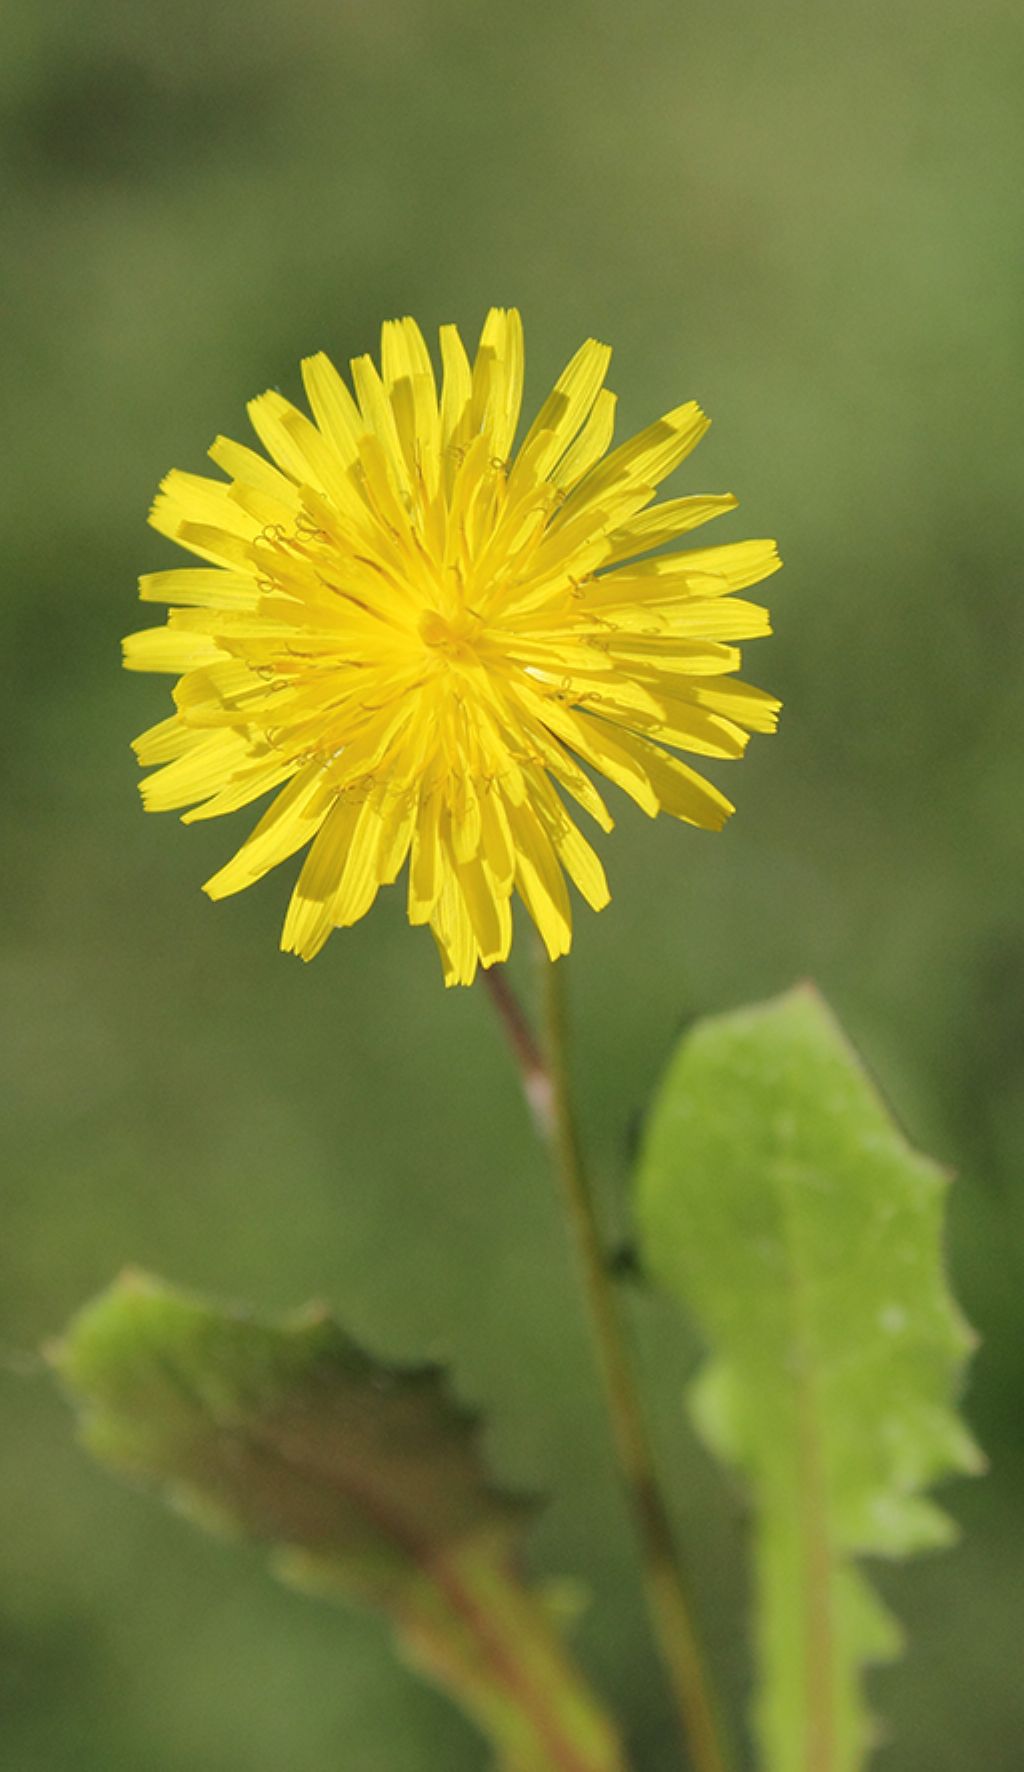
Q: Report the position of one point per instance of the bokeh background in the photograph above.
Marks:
(805, 214)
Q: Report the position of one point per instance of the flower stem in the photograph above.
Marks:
(546, 1084)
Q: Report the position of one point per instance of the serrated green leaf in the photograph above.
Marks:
(779, 1201)
(364, 1481)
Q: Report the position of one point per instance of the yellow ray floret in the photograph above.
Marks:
(422, 641)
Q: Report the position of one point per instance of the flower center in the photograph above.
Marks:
(455, 636)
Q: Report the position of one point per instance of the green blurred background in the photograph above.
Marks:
(803, 214)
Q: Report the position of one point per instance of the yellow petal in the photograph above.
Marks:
(453, 931)
(456, 397)
(333, 407)
(692, 728)
(593, 741)
(674, 516)
(250, 781)
(362, 877)
(704, 572)
(496, 846)
(574, 852)
(488, 909)
(200, 588)
(425, 870)
(680, 790)
(164, 649)
(647, 457)
(742, 702)
(400, 819)
(202, 771)
(196, 499)
(379, 418)
(740, 563)
(701, 619)
(300, 449)
(591, 443)
(569, 403)
(309, 918)
(166, 740)
(409, 379)
(503, 335)
(244, 464)
(294, 817)
(540, 881)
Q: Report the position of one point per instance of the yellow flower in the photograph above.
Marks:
(416, 636)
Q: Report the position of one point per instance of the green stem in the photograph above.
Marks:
(546, 1082)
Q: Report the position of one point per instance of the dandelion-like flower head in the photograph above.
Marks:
(425, 643)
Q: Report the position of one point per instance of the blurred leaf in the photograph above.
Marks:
(779, 1200)
(366, 1481)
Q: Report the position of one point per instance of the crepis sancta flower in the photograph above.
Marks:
(424, 642)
